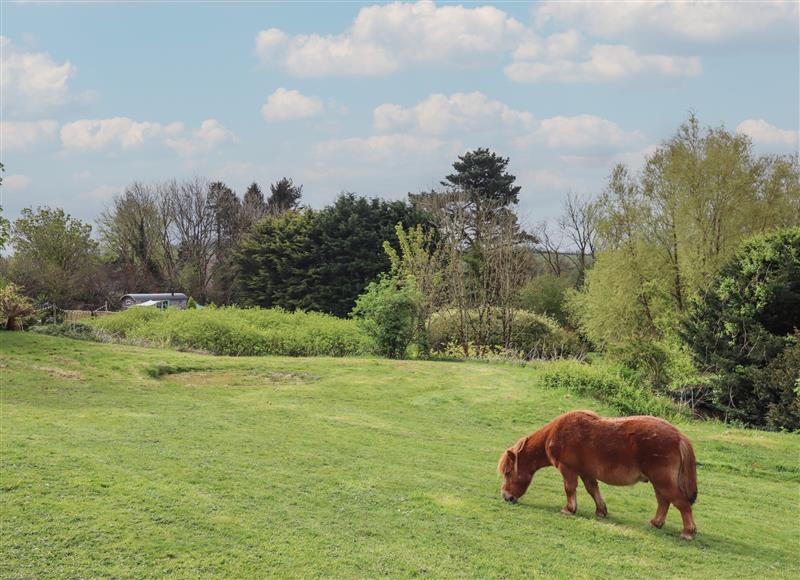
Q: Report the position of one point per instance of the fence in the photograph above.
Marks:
(76, 315)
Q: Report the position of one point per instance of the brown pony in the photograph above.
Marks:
(615, 451)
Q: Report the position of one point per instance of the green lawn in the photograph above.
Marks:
(131, 462)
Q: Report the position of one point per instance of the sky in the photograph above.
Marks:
(377, 99)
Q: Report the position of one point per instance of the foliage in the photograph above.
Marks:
(610, 386)
(482, 175)
(533, 335)
(74, 330)
(284, 196)
(273, 263)
(664, 234)
(237, 331)
(320, 260)
(143, 463)
(191, 304)
(546, 294)
(55, 256)
(421, 262)
(386, 311)
(14, 307)
(744, 321)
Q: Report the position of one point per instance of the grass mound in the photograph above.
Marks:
(238, 331)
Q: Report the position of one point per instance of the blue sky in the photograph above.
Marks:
(376, 98)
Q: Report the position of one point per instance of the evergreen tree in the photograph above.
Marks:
(285, 196)
(254, 207)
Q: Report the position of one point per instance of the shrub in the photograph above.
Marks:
(75, 330)
(608, 385)
(15, 307)
(238, 331)
(546, 294)
(741, 327)
(533, 335)
(386, 312)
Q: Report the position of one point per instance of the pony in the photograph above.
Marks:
(616, 451)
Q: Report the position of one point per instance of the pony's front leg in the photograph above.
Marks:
(571, 488)
(594, 490)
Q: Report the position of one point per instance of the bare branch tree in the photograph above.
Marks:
(578, 223)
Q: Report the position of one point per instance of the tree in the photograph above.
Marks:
(745, 329)
(5, 225)
(132, 231)
(274, 261)
(578, 224)
(348, 240)
(253, 206)
(663, 235)
(55, 256)
(284, 196)
(228, 225)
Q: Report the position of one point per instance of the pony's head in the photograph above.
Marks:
(515, 480)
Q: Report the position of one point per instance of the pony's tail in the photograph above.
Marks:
(687, 471)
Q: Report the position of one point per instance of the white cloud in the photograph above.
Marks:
(387, 37)
(16, 183)
(23, 135)
(604, 63)
(544, 180)
(125, 133)
(95, 134)
(383, 148)
(208, 137)
(439, 114)
(101, 193)
(764, 133)
(709, 21)
(32, 81)
(583, 131)
(288, 105)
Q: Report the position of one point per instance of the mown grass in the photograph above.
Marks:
(131, 462)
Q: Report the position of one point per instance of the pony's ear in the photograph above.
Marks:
(511, 462)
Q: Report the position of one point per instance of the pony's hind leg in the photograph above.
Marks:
(689, 529)
(594, 490)
(571, 488)
(661, 512)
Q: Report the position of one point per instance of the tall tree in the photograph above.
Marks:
(284, 196)
(55, 257)
(254, 207)
(228, 225)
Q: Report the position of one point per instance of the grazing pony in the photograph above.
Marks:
(620, 451)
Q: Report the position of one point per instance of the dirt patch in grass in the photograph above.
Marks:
(242, 379)
(58, 373)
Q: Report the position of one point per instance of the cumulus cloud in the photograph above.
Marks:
(603, 63)
(382, 148)
(208, 137)
(126, 134)
(710, 21)
(584, 131)
(32, 81)
(96, 134)
(289, 105)
(439, 114)
(764, 133)
(24, 135)
(386, 37)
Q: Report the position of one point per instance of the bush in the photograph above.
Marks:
(546, 294)
(533, 335)
(386, 312)
(75, 330)
(608, 385)
(742, 331)
(238, 331)
(15, 307)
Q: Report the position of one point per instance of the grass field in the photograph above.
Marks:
(128, 462)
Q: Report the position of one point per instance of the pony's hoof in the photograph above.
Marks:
(566, 512)
(601, 513)
(688, 535)
(656, 524)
